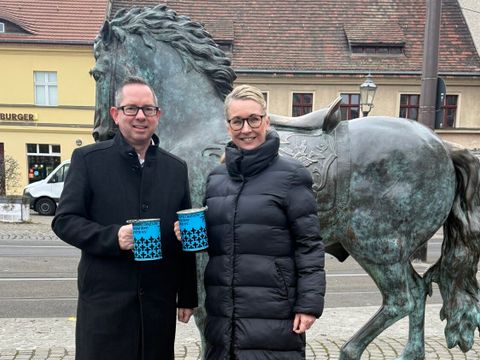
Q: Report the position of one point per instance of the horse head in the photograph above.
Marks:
(190, 75)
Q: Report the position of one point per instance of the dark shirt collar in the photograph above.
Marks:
(128, 150)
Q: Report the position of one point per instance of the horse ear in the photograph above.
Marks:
(106, 32)
(332, 117)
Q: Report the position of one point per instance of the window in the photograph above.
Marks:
(350, 106)
(2, 27)
(41, 159)
(265, 96)
(46, 88)
(60, 175)
(226, 47)
(377, 50)
(409, 105)
(302, 103)
(449, 112)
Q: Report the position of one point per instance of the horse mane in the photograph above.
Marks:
(195, 45)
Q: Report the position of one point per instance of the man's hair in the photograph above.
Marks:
(245, 92)
(129, 81)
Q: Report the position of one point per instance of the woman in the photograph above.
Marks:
(264, 281)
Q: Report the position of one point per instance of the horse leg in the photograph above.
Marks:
(396, 305)
(415, 348)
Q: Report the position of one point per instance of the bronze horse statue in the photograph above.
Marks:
(384, 185)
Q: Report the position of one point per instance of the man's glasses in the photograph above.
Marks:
(254, 121)
(132, 110)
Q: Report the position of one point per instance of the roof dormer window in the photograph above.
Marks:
(375, 37)
(378, 49)
(226, 46)
(2, 27)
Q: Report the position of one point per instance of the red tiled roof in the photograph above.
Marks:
(374, 31)
(311, 36)
(51, 21)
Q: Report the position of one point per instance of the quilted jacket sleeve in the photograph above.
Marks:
(309, 249)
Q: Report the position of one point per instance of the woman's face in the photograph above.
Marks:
(247, 138)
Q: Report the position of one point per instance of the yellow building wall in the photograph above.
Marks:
(69, 123)
(387, 98)
(72, 64)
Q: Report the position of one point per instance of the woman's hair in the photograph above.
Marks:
(245, 92)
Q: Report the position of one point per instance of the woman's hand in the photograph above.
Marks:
(176, 230)
(303, 322)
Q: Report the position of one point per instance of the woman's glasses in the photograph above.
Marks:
(237, 123)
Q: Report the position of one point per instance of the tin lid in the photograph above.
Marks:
(134, 221)
(192, 211)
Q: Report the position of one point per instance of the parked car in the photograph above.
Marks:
(44, 194)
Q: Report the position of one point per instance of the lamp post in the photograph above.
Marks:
(367, 94)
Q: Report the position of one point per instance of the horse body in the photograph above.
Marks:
(390, 180)
(384, 186)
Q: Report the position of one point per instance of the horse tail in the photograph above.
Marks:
(456, 269)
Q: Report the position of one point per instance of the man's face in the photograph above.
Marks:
(136, 129)
(247, 138)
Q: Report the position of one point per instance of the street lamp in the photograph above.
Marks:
(367, 93)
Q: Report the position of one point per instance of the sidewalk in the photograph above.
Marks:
(53, 338)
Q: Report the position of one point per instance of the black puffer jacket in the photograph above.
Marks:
(266, 255)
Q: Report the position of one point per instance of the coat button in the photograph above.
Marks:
(131, 154)
(135, 168)
(144, 207)
(141, 292)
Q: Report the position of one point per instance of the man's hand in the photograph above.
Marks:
(303, 322)
(176, 230)
(184, 314)
(125, 237)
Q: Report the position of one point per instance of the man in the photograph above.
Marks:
(126, 309)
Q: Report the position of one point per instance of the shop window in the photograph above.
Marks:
(302, 103)
(350, 106)
(46, 88)
(41, 160)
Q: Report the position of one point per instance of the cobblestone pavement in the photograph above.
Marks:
(53, 338)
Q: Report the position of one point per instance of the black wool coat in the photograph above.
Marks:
(266, 255)
(126, 308)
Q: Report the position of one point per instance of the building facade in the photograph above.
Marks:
(47, 98)
(304, 54)
(301, 54)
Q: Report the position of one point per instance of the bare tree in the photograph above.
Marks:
(9, 175)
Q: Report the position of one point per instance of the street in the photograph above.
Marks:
(38, 300)
(38, 274)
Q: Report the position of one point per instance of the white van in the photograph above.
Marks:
(44, 194)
